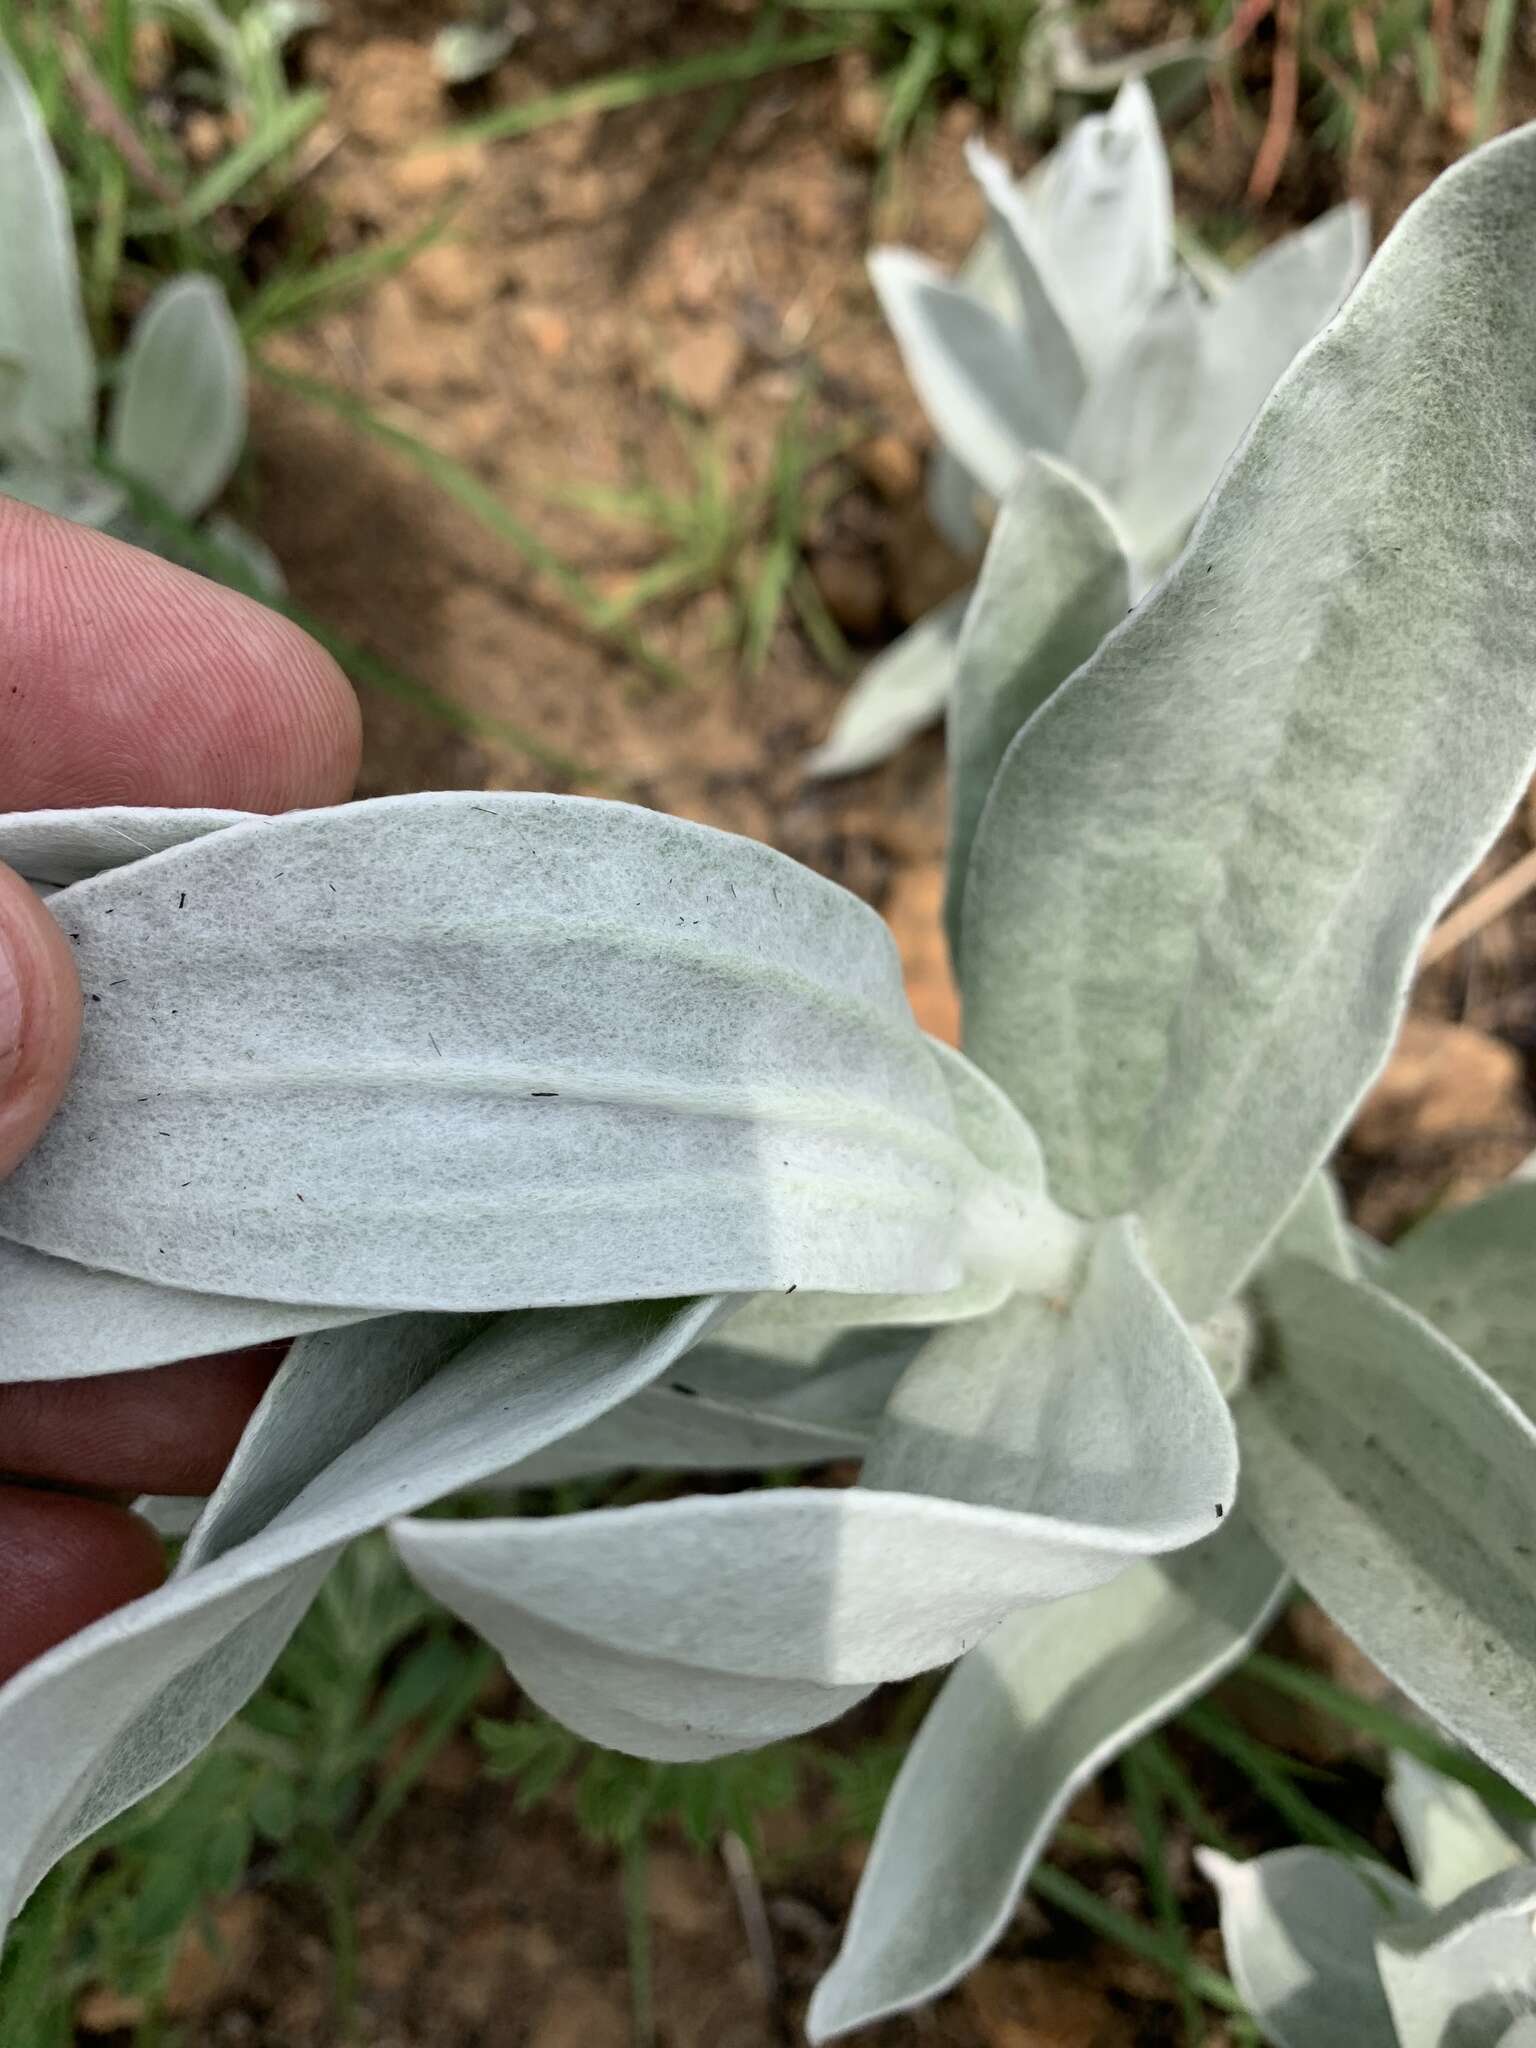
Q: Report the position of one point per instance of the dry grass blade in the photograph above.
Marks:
(1490, 902)
(1283, 94)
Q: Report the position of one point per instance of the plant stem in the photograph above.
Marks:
(637, 1935)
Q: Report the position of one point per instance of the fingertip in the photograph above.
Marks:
(166, 1429)
(131, 680)
(39, 1018)
(64, 1563)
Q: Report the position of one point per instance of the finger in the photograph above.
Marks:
(64, 1562)
(171, 1429)
(39, 1018)
(124, 679)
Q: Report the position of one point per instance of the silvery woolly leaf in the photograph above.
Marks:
(733, 1411)
(1106, 217)
(689, 1628)
(177, 419)
(1299, 1927)
(1453, 1841)
(1173, 71)
(966, 366)
(1023, 1721)
(68, 489)
(60, 847)
(953, 499)
(1463, 1978)
(1040, 1254)
(1318, 1229)
(902, 691)
(50, 406)
(482, 1051)
(1099, 1394)
(1522, 2034)
(1399, 1484)
(63, 1321)
(247, 552)
(467, 50)
(1140, 400)
(1472, 1272)
(1054, 581)
(1013, 212)
(1177, 422)
(1204, 870)
(114, 1711)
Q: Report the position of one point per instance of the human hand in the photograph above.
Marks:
(124, 680)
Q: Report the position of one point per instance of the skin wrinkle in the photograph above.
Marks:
(100, 703)
(126, 680)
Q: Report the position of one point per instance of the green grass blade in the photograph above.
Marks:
(1392, 1730)
(634, 88)
(1492, 60)
(637, 1940)
(1146, 1806)
(300, 293)
(451, 1712)
(230, 176)
(1178, 1788)
(1268, 1774)
(1068, 1896)
(909, 88)
(466, 489)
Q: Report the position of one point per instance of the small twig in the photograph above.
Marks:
(104, 117)
(1491, 901)
(637, 1937)
(1284, 92)
(742, 1872)
(1245, 20)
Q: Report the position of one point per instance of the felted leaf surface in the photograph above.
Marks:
(67, 487)
(60, 847)
(1472, 1272)
(967, 368)
(177, 421)
(1318, 1229)
(1106, 208)
(1024, 1720)
(689, 1628)
(1453, 1841)
(465, 1052)
(1463, 1978)
(381, 1420)
(48, 406)
(1139, 400)
(1204, 870)
(1399, 1484)
(1054, 581)
(1053, 1401)
(1164, 415)
(1040, 1250)
(951, 494)
(903, 690)
(1298, 1926)
(1050, 354)
(729, 1410)
(62, 1321)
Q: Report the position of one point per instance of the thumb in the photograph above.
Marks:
(39, 1018)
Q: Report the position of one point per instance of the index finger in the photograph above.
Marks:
(124, 679)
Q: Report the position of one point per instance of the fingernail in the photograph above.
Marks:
(12, 1009)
